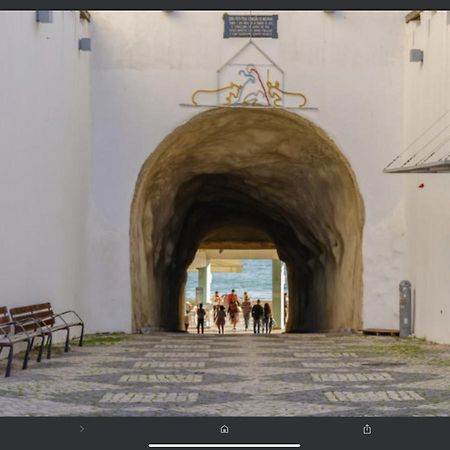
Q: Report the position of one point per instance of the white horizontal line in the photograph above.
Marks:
(224, 445)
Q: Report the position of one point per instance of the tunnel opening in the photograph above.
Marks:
(242, 258)
(265, 170)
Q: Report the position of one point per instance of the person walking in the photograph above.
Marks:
(216, 301)
(187, 310)
(201, 313)
(267, 319)
(246, 309)
(257, 313)
(233, 311)
(220, 319)
(186, 321)
(285, 303)
(232, 296)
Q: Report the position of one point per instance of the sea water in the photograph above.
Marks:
(255, 278)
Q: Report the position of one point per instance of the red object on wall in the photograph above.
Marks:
(421, 185)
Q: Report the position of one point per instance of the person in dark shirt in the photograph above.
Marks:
(201, 313)
(257, 313)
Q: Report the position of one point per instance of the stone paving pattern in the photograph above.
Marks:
(178, 374)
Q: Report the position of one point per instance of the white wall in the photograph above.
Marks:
(144, 64)
(428, 218)
(427, 98)
(44, 159)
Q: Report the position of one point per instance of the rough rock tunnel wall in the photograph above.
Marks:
(265, 168)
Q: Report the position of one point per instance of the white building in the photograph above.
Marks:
(77, 127)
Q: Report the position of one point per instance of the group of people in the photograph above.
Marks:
(230, 305)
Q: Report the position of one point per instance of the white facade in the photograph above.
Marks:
(427, 105)
(77, 126)
(44, 159)
(144, 65)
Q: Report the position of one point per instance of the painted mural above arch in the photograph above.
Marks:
(250, 78)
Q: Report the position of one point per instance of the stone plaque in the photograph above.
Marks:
(240, 26)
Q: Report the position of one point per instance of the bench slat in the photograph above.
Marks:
(21, 310)
(39, 306)
(44, 317)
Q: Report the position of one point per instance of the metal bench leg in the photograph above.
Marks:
(66, 347)
(27, 354)
(41, 349)
(82, 335)
(49, 346)
(10, 358)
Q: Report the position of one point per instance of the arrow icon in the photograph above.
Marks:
(81, 428)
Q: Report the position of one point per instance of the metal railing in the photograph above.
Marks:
(431, 149)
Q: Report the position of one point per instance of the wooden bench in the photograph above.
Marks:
(41, 318)
(12, 332)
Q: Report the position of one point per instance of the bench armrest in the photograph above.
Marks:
(3, 331)
(30, 319)
(60, 317)
(68, 312)
(16, 325)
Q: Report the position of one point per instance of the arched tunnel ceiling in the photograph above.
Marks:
(269, 172)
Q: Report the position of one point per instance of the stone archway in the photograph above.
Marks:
(263, 168)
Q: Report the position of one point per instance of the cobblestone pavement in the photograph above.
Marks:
(174, 374)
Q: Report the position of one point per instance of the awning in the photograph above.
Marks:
(429, 152)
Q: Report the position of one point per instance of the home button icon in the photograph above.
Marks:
(224, 429)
